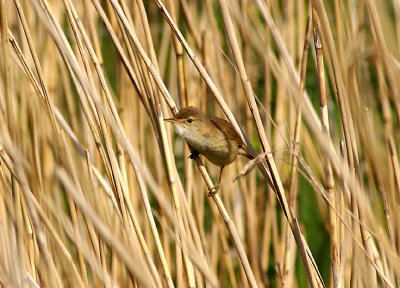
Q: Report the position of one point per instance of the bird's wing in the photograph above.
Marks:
(226, 126)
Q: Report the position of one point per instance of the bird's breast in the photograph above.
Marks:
(215, 147)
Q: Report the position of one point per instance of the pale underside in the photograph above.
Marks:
(223, 152)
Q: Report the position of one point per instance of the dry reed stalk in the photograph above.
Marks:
(388, 132)
(35, 60)
(6, 68)
(115, 165)
(78, 97)
(393, 91)
(74, 214)
(166, 154)
(70, 163)
(96, 242)
(328, 169)
(140, 236)
(199, 66)
(10, 120)
(256, 198)
(183, 99)
(138, 85)
(173, 184)
(177, 204)
(60, 118)
(289, 256)
(58, 241)
(346, 120)
(145, 58)
(227, 219)
(210, 279)
(329, 153)
(91, 122)
(135, 269)
(342, 251)
(286, 57)
(170, 214)
(104, 129)
(192, 27)
(130, 209)
(160, 250)
(249, 95)
(277, 184)
(387, 63)
(54, 277)
(222, 209)
(86, 251)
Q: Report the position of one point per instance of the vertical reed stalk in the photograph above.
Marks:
(328, 169)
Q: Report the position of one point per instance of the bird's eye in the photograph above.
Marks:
(190, 120)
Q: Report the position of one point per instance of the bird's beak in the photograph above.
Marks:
(172, 120)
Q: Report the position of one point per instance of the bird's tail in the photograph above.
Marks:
(244, 152)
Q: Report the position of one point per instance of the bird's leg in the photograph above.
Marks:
(194, 154)
(214, 190)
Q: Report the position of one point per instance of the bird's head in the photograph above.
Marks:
(189, 120)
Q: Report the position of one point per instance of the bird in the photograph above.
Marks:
(213, 137)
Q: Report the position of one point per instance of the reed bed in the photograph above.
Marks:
(98, 191)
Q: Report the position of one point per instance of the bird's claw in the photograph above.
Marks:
(194, 154)
(213, 191)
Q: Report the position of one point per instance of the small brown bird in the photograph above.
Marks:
(213, 137)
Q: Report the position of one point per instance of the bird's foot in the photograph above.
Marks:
(213, 191)
(194, 154)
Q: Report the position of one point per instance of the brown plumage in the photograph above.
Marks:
(213, 137)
